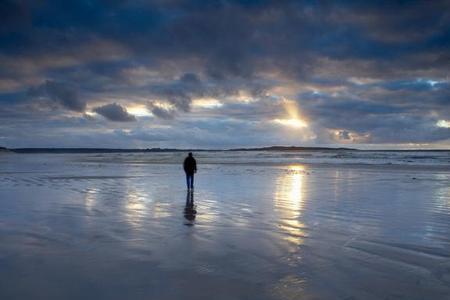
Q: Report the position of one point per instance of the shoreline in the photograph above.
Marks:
(208, 160)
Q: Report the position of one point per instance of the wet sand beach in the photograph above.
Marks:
(122, 226)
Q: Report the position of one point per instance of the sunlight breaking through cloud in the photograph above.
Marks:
(443, 124)
(295, 123)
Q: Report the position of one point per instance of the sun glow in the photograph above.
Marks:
(443, 123)
(296, 123)
(90, 113)
(294, 120)
(139, 110)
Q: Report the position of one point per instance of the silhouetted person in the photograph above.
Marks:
(190, 167)
(189, 209)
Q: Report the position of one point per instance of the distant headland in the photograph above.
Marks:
(152, 150)
(120, 150)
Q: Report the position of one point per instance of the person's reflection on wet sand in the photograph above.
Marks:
(189, 209)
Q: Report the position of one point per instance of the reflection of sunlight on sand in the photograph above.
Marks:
(90, 199)
(289, 203)
(207, 210)
(442, 194)
(289, 287)
(135, 207)
(161, 210)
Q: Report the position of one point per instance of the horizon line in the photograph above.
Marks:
(169, 149)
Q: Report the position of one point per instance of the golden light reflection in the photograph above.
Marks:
(161, 210)
(289, 203)
(135, 207)
(90, 198)
(442, 194)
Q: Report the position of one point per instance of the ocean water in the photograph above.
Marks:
(262, 225)
(439, 159)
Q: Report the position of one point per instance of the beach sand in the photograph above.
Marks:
(107, 227)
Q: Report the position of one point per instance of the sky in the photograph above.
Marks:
(224, 74)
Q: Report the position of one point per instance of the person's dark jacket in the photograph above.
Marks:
(190, 165)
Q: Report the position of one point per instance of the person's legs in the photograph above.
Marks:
(187, 180)
(190, 181)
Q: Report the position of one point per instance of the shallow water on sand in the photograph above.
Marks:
(77, 228)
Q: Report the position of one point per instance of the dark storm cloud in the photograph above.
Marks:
(371, 68)
(231, 36)
(162, 112)
(114, 112)
(180, 92)
(60, 93)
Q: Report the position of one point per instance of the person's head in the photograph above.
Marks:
(190, 154)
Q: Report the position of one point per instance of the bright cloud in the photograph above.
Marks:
(443, 123)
